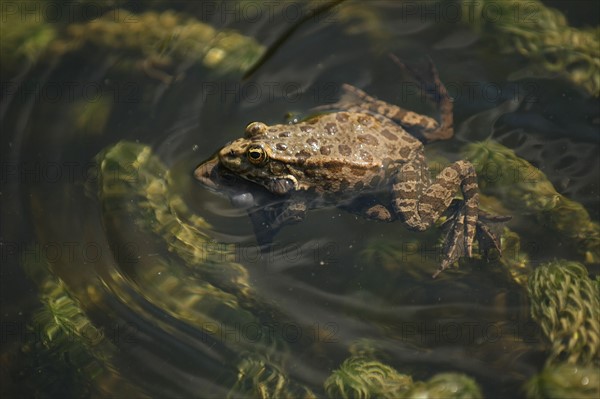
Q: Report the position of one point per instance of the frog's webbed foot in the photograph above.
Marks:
(267, 220)
(435, 90)
(487, 233)
(453, 247)
(489, 229)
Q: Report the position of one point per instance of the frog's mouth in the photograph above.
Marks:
(217, 176)
(277, 185)
(214, 175)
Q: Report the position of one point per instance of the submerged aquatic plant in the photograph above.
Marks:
(542, 35)
(525, 189)
(514, 259)
(566, 304)
(562, 380)
(131, 170)
(446, 385)
(67, 352)
(166, 38)
(363, 377)
(262, 379)
(23, 40)
(159, 40)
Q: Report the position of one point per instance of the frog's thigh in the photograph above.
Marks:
(420, 204)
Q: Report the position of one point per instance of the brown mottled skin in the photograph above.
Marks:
(359, 152)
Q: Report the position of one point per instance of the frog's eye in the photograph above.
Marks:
(255, 129)
(256, 155)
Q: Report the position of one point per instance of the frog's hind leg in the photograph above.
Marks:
(436, 91)
(354, 99)
(423, 127)
(420, 203)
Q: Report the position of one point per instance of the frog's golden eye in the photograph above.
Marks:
(255, 129)
(256, 155)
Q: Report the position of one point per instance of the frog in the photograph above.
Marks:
(363, 155)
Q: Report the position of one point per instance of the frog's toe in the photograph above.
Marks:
(453, 251)
(454, 242)
(458, 241)
(469, 246)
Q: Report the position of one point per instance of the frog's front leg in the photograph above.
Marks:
(268, 219)
(419, 202)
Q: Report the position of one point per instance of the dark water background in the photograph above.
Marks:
(473, 320)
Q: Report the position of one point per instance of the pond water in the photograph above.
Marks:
(175, 293)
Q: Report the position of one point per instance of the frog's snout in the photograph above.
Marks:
(204, 172)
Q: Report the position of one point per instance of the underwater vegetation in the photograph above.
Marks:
(260, 378)
(364, 378)
(565, 381)
(565, 302)
(156, 41)
(67, 353)
(543, 36)
(524, 189)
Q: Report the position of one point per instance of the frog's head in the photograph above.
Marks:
(252, 158)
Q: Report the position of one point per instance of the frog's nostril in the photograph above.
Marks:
(228, 154)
